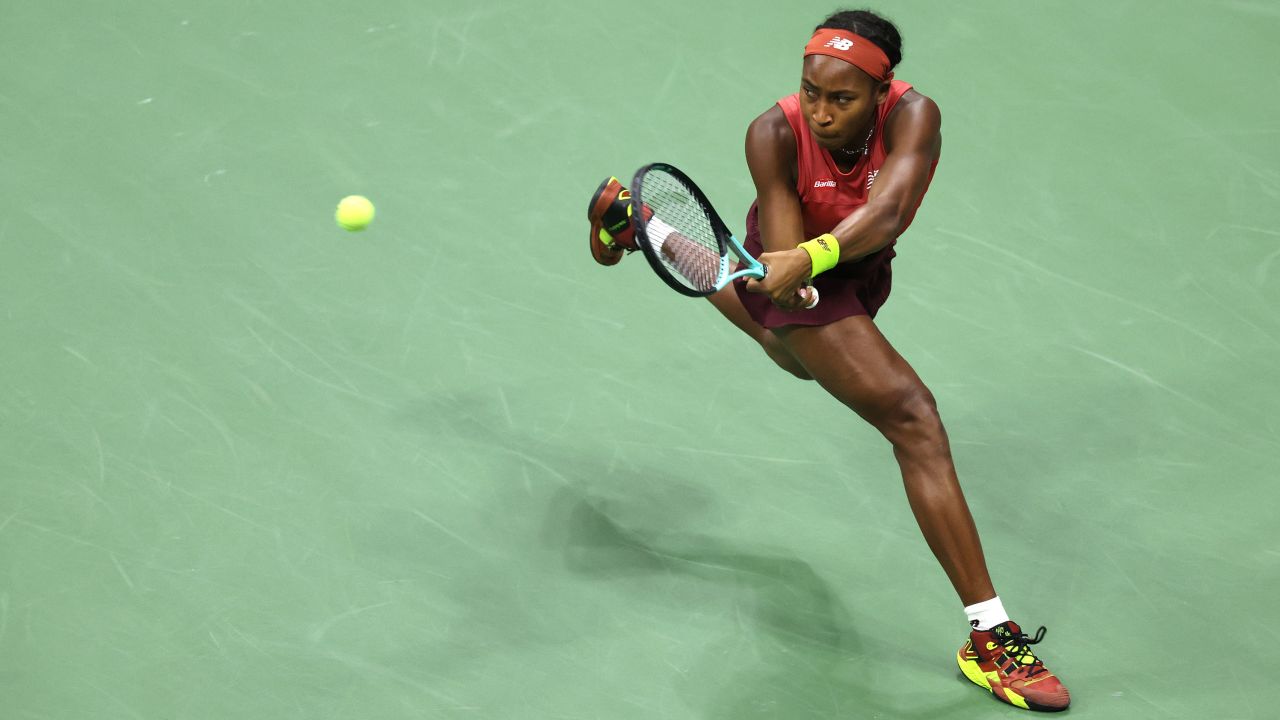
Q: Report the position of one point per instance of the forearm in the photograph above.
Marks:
(861, 233)
(867, 230)
(781, 226)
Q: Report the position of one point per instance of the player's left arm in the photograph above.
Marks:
(913, 142)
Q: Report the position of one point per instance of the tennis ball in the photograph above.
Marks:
(355, 212)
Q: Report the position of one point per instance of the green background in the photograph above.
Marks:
(252, 466)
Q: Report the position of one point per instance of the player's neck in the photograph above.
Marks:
(849, 155)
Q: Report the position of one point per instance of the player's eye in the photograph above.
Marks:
(809, 92)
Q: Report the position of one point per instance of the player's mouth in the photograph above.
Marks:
(828, 141)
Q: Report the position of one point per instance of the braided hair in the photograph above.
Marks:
(880, 31)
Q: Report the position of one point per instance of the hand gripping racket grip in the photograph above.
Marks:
(813, 291)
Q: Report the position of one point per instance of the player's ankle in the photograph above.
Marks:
(986, 614)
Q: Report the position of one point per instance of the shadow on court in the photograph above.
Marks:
(774, 593)
(795, 652)
(810, 660)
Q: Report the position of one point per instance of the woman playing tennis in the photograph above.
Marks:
(840, 169)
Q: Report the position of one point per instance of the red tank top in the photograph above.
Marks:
(828, 195)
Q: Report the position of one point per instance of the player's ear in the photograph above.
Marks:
(882, 92)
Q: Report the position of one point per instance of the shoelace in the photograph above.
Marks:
(1017, 647)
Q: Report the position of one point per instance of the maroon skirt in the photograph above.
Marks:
(848, 289)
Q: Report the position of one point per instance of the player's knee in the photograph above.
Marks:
(910, 416)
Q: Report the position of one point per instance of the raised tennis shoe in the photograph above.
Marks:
(612, 235)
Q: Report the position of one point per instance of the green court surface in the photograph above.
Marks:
(252, 466)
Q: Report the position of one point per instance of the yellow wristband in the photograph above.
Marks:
(824, 253)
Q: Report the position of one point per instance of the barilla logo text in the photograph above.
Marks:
(839, 43)
(824, 183)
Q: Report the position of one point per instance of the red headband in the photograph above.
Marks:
(853, 49)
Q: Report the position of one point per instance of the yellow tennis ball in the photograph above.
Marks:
(355, 212)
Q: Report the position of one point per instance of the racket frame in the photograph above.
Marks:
(725, 240)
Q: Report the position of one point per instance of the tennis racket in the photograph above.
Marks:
(683, 237)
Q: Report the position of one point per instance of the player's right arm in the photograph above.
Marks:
(771, 157)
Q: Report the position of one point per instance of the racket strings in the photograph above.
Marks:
(696, 263)
(681, 232)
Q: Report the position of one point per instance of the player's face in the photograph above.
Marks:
(839, 101)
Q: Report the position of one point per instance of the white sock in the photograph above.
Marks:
(986, 614)
(658, 232)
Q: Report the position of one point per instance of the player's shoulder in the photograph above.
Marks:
(915, 106)
(914, 122)
(771, 145)
(771, 128)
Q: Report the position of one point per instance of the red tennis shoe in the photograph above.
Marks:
(612, 235)
(1000, 660)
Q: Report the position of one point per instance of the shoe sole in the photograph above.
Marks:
(592, 207)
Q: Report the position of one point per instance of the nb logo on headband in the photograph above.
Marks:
(839, 43)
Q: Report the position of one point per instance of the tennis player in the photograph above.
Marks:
(840, 169)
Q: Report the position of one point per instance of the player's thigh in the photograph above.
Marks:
(851, 359)
(726, 301)
(730, 305)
